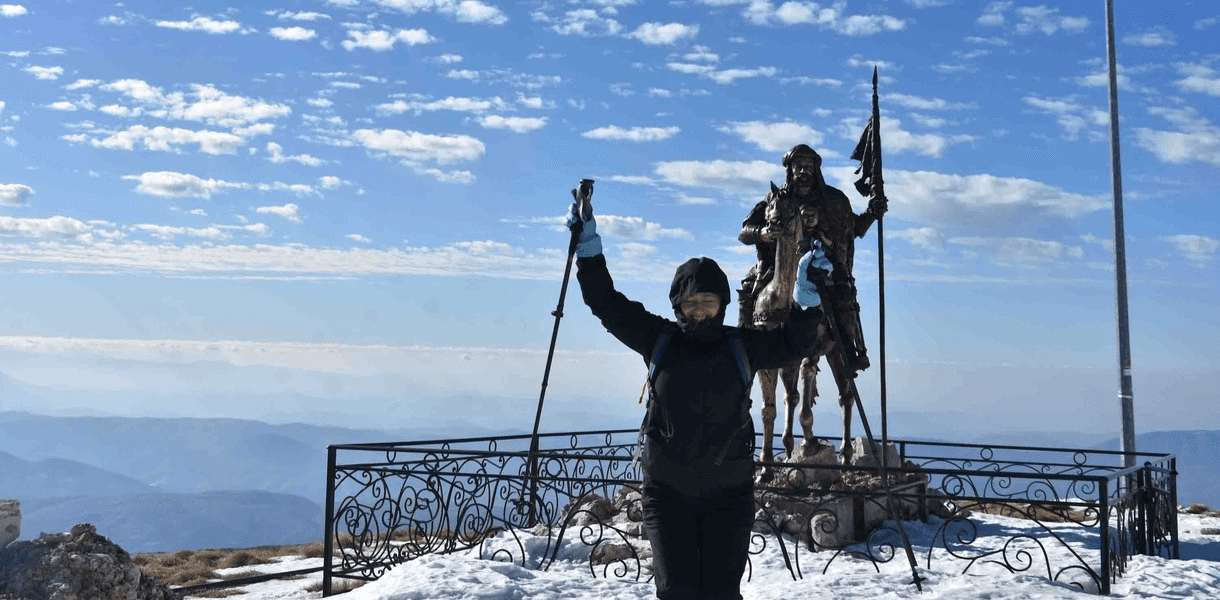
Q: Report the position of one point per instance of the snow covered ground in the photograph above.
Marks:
(469, 576)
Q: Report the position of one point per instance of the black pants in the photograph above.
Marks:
(699, 544)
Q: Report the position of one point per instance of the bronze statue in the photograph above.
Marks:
(804, 208)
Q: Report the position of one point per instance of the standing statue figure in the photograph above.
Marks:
(825, 214)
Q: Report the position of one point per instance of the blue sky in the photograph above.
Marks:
(351, 210)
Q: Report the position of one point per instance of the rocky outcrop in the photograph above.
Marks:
(10, 522)
(78, 565)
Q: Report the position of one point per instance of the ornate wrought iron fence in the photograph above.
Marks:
(394, 502)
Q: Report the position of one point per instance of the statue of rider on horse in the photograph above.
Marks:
(827, 215)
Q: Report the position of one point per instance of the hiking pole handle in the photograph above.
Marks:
(583, 195)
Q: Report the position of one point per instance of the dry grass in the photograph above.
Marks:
(194, 567)
(1198, 508)
(337, 586)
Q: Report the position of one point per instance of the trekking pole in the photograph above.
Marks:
(837, 333)
(583, 195)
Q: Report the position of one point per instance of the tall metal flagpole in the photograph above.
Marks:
(1126, 396)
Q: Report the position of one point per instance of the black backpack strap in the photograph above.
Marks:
(747, 378)
(657, 351)
(743, 360)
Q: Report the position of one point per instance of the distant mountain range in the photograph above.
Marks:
(154, 484)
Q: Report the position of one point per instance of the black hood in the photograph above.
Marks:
(699, 275)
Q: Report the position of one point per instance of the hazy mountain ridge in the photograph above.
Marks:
(157, 522)
(180, 483)
(57, 477)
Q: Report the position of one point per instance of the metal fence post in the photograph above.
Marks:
(1104, 501)
(328, 537)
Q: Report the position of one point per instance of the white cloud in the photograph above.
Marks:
(1195, 138)
(1199, 249)
(729, 176)
(320, 102)
(897, 139)
(82, 83)
(636, 228)
(329, 182)
(356, 237)
(663, 34)
(462, 11)
(862, 25)
(919, 103)
(534, 102)
(285, 15)
(1073, 117)
(774, 137)
(993, 41)
(586, 23)
(171, 184)
(1034, 19)
(1022, 252)
(57, 226)
(62, 105)
(417, 149)
(204, 24)
(466, 74)
(1158, 37)
(993, 14)
(169, 232)
(1199, 78)
(517, 124)
(15, 194)
(45, 73)
(634, 134)
(858, 60)
(381, 41)
(209, 104)
(292, 34)
(277, 156)
(421, 104)
(943, 199)
(13, 10)
(288, 211)
(165, 139)
(701, 54)
(722, 76)
(763, 12)
(1205, 23)
(300, 189)
(922, 237)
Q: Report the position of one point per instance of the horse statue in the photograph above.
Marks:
(772, 306)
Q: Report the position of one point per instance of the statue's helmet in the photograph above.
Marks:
(800, 150)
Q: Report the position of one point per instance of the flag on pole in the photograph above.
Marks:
(868, 152)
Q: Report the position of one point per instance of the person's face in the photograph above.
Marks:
(804, 167)
(700, 306)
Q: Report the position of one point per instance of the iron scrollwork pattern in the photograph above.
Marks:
(398, 502)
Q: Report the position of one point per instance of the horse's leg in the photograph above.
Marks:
(766, 383)
(809, 394)
(846, 400)
(790, 375)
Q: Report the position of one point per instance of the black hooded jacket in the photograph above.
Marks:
(698, 397)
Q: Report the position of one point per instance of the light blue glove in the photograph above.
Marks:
(588, 243)
(813, 264)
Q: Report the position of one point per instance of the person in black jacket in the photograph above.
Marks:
(698, 434)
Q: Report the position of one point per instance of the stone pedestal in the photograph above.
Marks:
(850, 519)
